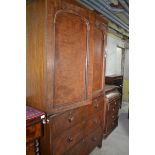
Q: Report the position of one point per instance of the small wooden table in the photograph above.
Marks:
(34, 130)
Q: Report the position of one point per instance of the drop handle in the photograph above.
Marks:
(70, 139)
(70, 119)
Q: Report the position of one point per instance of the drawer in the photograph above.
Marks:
(93, 140)
(114, 123)
(33, 132)
(67, 120)
(78, 149)
(92, 123)
(68, 139)
(114, 106)
(114, 117)
(98, 104)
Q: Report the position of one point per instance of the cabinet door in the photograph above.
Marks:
(71, 58)
(98, 65)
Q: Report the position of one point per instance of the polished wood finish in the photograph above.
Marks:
(112, 104)
(34, 131)
(35, 55)
(59, 70)
(67, 120)
(65, 74)
(99, 53)
(116, 80)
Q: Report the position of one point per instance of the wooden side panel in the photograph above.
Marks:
(70, 78)
(98, 60)
(35, 56)
(99, 55)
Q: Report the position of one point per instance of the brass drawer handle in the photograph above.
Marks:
(70, 139)
(70, 119)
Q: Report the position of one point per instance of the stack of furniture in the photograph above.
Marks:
(112, 104)
(65, 74)
(34, 130)
(117, 80)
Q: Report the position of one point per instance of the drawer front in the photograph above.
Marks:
(78, 149)
(93, 140)
(33, 132)
(67, 139)
(114, 123)
(98, 104)
(114, 106)
(67, 120)
(92, 123)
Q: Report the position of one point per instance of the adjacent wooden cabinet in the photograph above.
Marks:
(112, 104)
(116, 80)
(65, 74)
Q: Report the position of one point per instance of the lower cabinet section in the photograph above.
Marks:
(77, 131)
(87, 144)
(68, 139)
(74, 132)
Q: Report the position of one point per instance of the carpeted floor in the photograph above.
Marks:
(118, 141)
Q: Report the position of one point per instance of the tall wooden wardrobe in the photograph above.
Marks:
(65, 74)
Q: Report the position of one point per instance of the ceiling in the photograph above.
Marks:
(117, 11)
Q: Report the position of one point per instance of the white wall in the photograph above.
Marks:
(113, 61)
(126, 65)
(113, 58)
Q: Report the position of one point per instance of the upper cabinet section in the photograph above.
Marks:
(60, 54)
